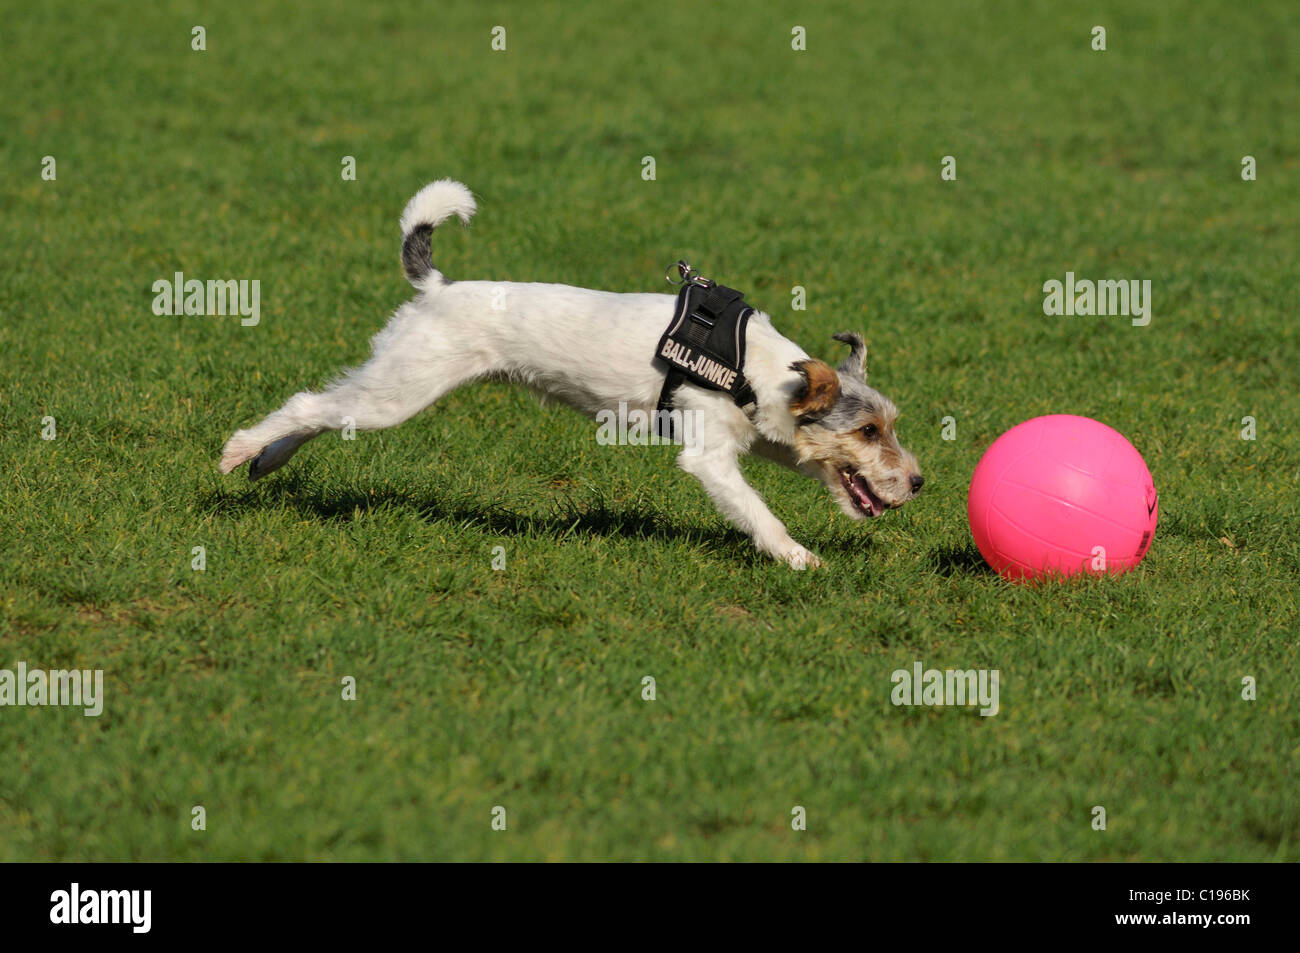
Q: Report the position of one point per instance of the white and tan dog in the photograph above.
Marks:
(824, 422)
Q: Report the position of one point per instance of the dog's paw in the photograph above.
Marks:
(797, 557)
(274, 456)
(237, 451)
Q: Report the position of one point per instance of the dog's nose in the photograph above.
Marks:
(918, 481)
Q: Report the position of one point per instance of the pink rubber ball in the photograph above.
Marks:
(1059, 495)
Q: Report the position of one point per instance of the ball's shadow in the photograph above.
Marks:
(960, 561)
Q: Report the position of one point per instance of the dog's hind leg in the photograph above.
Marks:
(277, 454)
(406, 374)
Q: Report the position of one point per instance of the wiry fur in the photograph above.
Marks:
(429, 208)
(593, 350)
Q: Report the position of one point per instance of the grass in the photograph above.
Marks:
(522, 688)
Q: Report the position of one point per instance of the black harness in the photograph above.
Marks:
(704, 344)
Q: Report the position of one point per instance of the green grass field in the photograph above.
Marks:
(522, 688)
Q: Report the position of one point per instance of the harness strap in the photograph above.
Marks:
(705, 345)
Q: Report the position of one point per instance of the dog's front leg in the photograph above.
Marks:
(718, 470)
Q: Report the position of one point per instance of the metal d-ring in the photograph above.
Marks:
(688, 274)
(683, 269)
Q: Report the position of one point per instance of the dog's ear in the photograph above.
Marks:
(855, 365)
(819, 390)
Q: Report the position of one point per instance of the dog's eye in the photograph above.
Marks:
(870, 432)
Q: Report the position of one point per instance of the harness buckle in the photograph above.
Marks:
(687, 274)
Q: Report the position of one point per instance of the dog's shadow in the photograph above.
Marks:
(567, 518)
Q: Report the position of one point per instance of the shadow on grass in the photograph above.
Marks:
(567, 518)
(960, 561)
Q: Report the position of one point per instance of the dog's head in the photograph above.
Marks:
(845, 435)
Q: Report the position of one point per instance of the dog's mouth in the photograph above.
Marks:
(860, 495)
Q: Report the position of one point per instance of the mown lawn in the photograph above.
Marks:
(523, 688)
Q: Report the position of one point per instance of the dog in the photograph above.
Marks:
(594, 350)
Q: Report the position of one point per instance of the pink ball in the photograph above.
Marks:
(1062, 494)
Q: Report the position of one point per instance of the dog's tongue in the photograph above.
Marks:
(858, 487)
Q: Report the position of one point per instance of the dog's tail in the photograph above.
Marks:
(431, 206)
